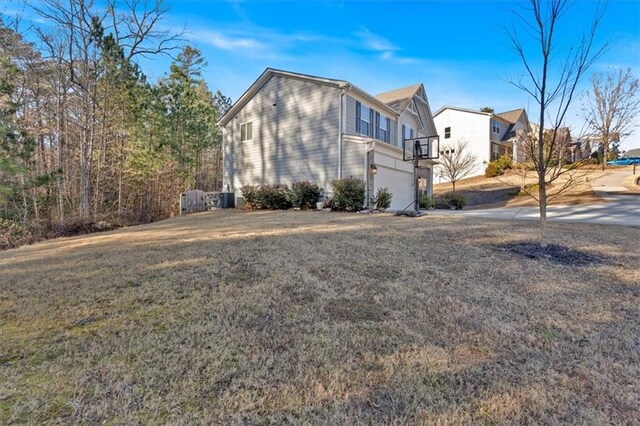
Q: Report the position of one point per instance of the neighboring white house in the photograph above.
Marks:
(289, 127)
(488, 135)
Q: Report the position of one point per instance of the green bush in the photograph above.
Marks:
(250, 196)
(425, 202)
(348, 194)
(498, 166)
(269, 197)
(304, 194)
(275, 197)
(382, 200)
(451, 199)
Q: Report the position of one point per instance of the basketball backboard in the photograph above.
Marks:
(421, 148)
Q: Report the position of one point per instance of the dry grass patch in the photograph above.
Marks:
(502, 191)
(632, 183)
(305, 317)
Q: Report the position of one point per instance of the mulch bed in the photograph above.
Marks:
(553, 253)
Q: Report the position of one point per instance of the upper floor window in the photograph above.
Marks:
(407, 132)
(447, 132)
(383, 126)
(364, 120)
(495, 126)
(246, 131)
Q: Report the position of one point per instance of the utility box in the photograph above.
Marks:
(227, 200)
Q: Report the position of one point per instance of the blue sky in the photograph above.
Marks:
(458, 49)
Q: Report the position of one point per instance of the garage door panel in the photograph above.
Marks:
(399, 183)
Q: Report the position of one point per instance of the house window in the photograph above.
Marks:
(447, 132)
(407, 132)
(496, 152)
(364, 119)
(246, 131)
(384, 124)
(495, 126)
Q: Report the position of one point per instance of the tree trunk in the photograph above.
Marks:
(542, 192)
(605, 156)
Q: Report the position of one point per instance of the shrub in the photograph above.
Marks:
(498, 166)
(304, 194)
(250, 196)
(425, 202)
(382, 200)
(348, 194)
(451, 199)
(12, 234)
(275, 197)
(583, 162)
(269, 197)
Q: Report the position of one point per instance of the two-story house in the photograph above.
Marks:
(488, 135)
(289, 127)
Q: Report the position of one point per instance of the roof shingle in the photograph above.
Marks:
(399, 99)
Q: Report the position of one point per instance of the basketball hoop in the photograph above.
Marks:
(421, 151)
(421, 148)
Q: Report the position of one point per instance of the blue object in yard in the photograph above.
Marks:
(624, 161)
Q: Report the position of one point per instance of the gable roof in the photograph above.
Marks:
(462, 110)
(399, 99)
(270, 72)
(513, 115)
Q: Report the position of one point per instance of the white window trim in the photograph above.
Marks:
(246, 125)
(363, 120)
(384, 128)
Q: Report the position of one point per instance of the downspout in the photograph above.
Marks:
(367, 150)
(225, 185)
(341, 124)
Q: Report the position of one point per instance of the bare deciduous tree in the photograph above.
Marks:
(553, 70)
(565, 174)
(611, 108)
(457, 162)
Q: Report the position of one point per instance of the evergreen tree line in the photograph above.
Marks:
(84, 135)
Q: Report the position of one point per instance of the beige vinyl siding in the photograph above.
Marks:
(353, 157)
(350, 125)
(295, 135)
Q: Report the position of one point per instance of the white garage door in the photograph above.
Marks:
(399, 183)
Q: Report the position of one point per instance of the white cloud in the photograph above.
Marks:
(387, 50)
(225, 42)
(375, 42)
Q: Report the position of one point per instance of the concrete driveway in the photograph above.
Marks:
(621, 207)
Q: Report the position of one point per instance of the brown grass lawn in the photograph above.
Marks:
(307, 317)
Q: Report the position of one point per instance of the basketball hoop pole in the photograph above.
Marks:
(416, 181)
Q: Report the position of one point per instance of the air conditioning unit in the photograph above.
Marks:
(227, 200)
(219, 200)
